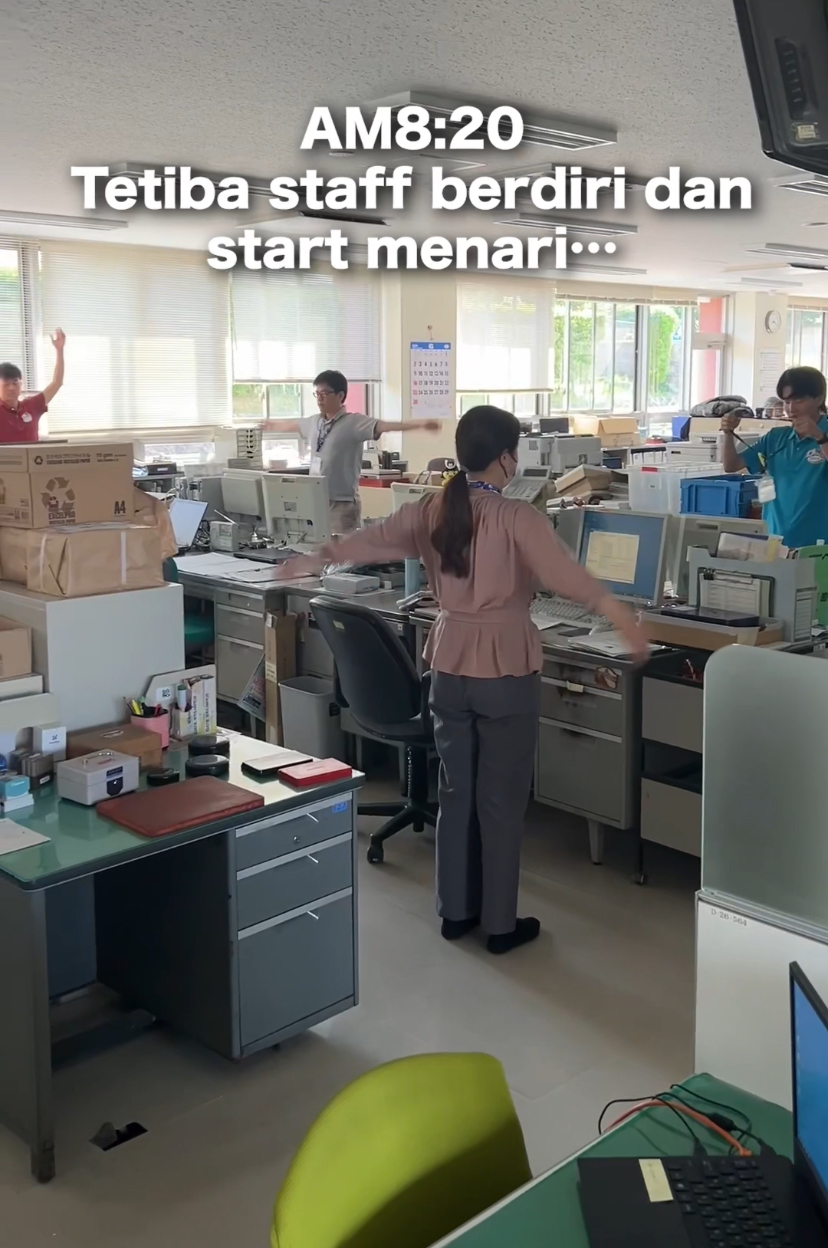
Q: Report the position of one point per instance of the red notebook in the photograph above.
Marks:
(176, 807)
(318, 772)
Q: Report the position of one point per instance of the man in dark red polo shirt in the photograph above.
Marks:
(19, 418)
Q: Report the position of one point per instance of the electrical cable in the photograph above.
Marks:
(637, 1100)
(691, 1113)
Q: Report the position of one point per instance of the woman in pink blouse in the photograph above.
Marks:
(484, 555)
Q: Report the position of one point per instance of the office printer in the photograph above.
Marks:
(558, 451)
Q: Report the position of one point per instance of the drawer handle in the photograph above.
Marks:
(312, 915)
(315, 861)
(312, 818)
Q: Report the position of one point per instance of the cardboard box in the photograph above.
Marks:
(121, 738)
(584, 480)
(612, 430)
(675, 632)
(15, 649)
(280, 664)
(44, 484)
(76, 561)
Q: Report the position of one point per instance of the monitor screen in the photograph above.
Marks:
(186, 515)
(625, 550)
(809, 1025)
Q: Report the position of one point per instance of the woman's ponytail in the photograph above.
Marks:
(483, 435)
(452, 535)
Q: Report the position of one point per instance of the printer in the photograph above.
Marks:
(559, 452)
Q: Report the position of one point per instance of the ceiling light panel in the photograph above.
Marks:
(67, 223)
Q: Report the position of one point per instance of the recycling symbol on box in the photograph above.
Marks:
(59, 499)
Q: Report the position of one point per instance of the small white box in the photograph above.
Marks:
(50, 739)
(95, 777)
(11, 804)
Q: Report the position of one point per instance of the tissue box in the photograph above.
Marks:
(73, 562)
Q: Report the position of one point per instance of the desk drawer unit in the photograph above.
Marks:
(573, 702)
(672, 713)
(671, 816)
(296, 966)
(282, 884)
(236, 663)
(581, 769)
(240, 601)
(239, 623)
(273, 838)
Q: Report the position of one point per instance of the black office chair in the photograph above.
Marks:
(377, 681)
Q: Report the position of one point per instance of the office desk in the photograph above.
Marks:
(589, 734)
(238, 934)
(548, 1211)
(241, 607)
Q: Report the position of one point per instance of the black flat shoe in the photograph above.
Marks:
(454, 929)
(525, 931)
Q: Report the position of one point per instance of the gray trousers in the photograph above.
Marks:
(485, 731)
(345, 517)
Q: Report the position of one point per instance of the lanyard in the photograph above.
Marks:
(323, 429)
(483, 485)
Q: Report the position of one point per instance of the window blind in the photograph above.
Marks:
(505, 335)
(12, 340)
(148, 337)
(291, 326)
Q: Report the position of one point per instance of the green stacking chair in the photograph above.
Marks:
(199, 630)
(403, 1156)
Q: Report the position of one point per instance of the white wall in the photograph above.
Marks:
(757, 355)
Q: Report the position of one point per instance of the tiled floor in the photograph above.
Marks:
(601, 1006)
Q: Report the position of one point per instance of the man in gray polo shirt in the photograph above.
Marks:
(336, 439)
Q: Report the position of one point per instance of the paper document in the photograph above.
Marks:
(14, 836)
(613, 557)
(543, 621)
(740, 595)
(613, 644)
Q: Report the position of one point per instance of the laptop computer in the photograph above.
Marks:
(762, 1201)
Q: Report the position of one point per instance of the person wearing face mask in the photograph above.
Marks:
(19, 418)
(793, 462)
(484, 554)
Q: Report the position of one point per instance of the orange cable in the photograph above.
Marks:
(691, 1113)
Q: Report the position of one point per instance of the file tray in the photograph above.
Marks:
(177, 807)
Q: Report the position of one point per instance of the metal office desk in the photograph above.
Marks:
(547, 1211)
(589, 733)
(238, 934)
(241, 608)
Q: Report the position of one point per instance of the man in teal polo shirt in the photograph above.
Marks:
(793, 462)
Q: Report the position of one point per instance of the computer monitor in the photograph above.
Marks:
(186, 515)
(625, 550)
(684, 532)
(296, 508)
(568, 523)
(809, 1051)
(209, 490)
(242, 492)
(403, 492)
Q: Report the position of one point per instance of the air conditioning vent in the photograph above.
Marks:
(791, 252)
(817, 184)
(575, 225)
(538, 131)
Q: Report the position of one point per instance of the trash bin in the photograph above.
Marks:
(310, 717)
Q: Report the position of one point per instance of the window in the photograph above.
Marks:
(149, 331)
(806, 338)
(667, 351)
(288, 327)
(505, 336)
(558, 354)
(17, 312)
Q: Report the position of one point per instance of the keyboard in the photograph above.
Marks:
(726, 1201)
(548, 611)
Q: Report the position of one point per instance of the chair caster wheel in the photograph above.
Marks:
(640, 879)
(376, 854)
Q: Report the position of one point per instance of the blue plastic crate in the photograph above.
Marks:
(729, 495)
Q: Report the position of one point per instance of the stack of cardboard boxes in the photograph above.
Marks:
(67, 521)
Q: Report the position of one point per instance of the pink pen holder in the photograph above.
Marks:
(159, 724)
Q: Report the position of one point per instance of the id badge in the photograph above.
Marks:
(766, 489)
(316, 466)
